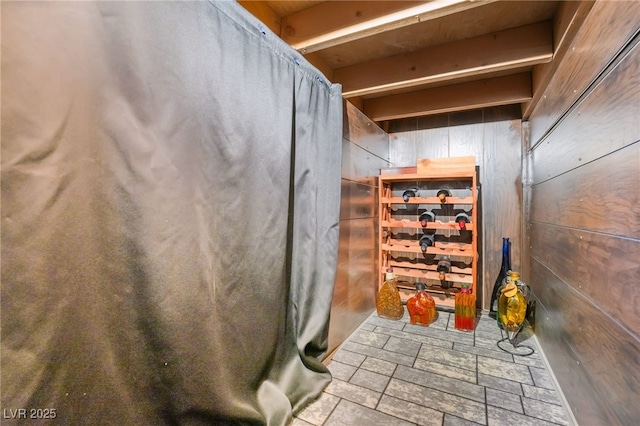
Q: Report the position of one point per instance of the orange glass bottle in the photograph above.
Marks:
(389, 304)
(465, 309)
(421, 307)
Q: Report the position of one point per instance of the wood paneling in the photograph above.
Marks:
(361, 131)
(606, 120)
(585, 218)
(432, 142)
(466, 134)
(607, 27)
(567, 20)
(365, 150)
(357, 200)
(607, 353)
(571, 375)
(501, 197)
(603, 268)
(601, 196)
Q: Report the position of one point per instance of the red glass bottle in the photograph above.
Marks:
(421, 307)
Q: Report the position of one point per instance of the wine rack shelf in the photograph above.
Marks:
(407, 193)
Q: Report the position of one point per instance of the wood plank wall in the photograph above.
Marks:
(585, 218)
(365, 150)
(494, 137)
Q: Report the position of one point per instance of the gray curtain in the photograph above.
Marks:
(170, 199)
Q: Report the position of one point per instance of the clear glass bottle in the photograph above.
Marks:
(421, 307)
(465, 309)
(512, 305)
(389, 304)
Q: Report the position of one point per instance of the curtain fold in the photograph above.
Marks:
(170, 202)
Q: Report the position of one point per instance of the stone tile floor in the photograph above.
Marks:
(395, 373)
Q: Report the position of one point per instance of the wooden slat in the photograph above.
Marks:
(431, 250)
(331, 23)
(593, 47)
(608, 353)
(452, 226)
(606, 120)
(518, 47)
(430, 275)
(446, 166)
(489, 92)
(429, 267)
(601, 267)
(427, 200)
(600, 196)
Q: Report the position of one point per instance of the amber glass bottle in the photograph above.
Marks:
(389, 304)
(421, 307)
(465, 309)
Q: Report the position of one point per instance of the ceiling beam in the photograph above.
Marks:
(335, 22)
(513, 48)
(507, 90)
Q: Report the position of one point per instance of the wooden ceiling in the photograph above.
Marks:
(400, 59)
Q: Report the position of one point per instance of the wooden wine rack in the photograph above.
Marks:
(400, 230)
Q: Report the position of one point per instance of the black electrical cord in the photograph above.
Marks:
(515, 346)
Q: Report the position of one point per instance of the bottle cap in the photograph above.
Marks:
(420, 286)
(389, 274)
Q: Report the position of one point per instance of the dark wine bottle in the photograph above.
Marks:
(426, 217)
(426, 241)
(407, 194)
(443, 268)
(462, 219)
(504, 270)
(443, 194)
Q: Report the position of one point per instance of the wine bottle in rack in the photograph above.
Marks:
(462, 219)
(426, 241)
(443, 194)
(504, 270)
(408, 193)
(426, 217)
(444, 267)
